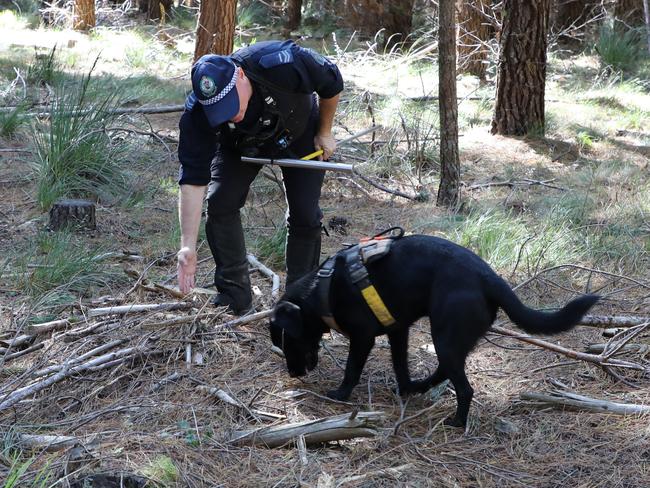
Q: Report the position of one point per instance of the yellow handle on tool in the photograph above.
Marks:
(313, 155)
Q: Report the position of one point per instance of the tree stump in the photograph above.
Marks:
(79, 214)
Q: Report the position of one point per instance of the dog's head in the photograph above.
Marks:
(288, 332)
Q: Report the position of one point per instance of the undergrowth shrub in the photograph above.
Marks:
(74, 153)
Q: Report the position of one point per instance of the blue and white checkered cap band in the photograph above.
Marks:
(222, 93)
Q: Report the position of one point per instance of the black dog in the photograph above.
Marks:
(420, 276)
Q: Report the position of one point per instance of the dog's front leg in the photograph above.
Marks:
(399, 341)
(359, 350)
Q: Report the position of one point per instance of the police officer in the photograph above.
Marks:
(259, 101)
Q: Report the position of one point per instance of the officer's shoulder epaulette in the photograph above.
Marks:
(277, 58)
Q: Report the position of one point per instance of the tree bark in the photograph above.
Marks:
(522, 68)
(72, 213)
(398, 17)
(570, 12)
(294, 13)
(448, 191)
(215, 32)
(473, 32)
(365, 16)
(158, 9)
(84, 14)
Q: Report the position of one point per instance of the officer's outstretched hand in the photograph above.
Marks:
(327, 143)
(186, 269)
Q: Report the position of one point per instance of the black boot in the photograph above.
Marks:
(302, 252)
(226, 239)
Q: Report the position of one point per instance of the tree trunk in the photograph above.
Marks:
(398, 16)
(629, 11)
(72, 213)
(158, 9)
(522, 68)
(84, 14)
(570, 12)
(448, 192)
(294, 8)
(473, 34)
(365, 16)
(215, 32)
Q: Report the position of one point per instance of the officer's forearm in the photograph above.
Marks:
(327, 107)
(190, 203)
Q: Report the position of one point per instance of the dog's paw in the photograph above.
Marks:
(454, 422)
(340, 395)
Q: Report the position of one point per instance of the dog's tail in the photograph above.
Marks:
(535, 321)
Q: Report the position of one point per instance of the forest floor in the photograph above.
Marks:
(557, 214)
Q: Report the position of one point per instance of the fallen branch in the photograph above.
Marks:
(275, 279)
(135, 308)
(227, 398)
(14, 397)
(46, 327)
(49, 443)
(567, 399)
(606, 321)
(254, 317)
(604, 360)
(600, 348)
(339, 427)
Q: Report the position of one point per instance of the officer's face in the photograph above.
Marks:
(244, 90)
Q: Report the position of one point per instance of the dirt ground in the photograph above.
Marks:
(148, 415)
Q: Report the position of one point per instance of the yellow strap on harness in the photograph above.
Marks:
(377, 305)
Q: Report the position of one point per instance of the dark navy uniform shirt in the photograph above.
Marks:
(306, 72)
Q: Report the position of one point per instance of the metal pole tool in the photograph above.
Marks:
(306, 162)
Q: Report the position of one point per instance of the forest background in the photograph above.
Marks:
(519, 129)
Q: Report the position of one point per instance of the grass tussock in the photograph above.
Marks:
(58, 267)
(74, 153)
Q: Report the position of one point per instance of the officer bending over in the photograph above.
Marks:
(259, 101)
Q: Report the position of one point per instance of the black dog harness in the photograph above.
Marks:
(356, 257)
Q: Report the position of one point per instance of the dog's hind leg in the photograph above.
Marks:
(462, 320)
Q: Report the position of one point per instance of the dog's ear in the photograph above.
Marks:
(287, 316)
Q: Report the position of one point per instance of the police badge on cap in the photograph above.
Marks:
(208, 86)
(213, 86)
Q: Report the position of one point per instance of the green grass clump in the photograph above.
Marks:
(45, 69)
(162, 470)
(56, 268)
(74, 153)
(11, 121)
(271, 249)
(620, 50)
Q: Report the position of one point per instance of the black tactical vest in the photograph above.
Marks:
(285, 115)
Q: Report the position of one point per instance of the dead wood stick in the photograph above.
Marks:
(254, 317)
(17, 395)
(602, 361)
(45, 327)
(79, 359)
(600, 348)
(339, 427)
(567, 399)
(49, 443)
(396, 471)
(14, 355)
(135, 308)
(384, 188)
(179, 320)
(275, 279)
(606, 321)
(227, 398)
(74, 334)
(17, 341)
